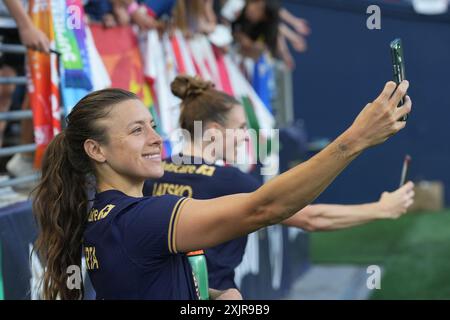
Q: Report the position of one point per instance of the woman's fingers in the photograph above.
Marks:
(387, 92)
(399, 93)
(399, 125)
(403, 110)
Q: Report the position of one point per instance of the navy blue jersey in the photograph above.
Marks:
(203, 181)
(130, 252)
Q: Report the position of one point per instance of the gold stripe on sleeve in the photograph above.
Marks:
(173, 215)
(175, 223)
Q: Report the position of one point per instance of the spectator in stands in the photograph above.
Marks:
(147, 13)
(195, 16)
(296, 37)
(256, 28)
(102, 11)
(263, 24)
(144, 13)
(16, 27)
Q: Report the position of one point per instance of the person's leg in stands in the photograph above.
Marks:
(6, 94)
(26, 126)
(21, 164)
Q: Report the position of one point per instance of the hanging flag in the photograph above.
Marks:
(173, 103)
(155, 70)
(66, 43)
(209, 60)
(263, 80)
(42, 72)
(258, 116)
(74, 67)
(182, 54)
(122, 59)
(242, 88)
(222, 70)
(198, 52)
(75, 21)
(99, 75)
(179, 58)
(157, 74)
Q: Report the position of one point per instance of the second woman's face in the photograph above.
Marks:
(134, 147)
(235, 133)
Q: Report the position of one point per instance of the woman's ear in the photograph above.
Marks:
(214, 130)
(94, 150)
(212, 125)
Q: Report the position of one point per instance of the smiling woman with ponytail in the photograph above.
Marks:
(61, 199)
(134, 245)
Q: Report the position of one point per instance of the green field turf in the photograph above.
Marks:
(413, 250)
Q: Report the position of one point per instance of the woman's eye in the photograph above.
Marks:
(137, 130)
(154, 127)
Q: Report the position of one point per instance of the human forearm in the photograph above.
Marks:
(321, 217)
(327, 217)
(30, 36)
(285, 195)
(300, 25)
(240, 214)
(19, 14)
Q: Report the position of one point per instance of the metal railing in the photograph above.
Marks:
(13, 80)
(9, 151)
(14, 49)
(20, 180)
(16, 115)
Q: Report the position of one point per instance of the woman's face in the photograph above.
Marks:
(235, 133)
(134, 147)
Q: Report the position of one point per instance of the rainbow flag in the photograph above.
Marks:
(122, 59)
(43, 80)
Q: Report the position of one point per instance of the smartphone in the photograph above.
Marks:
(398, 66)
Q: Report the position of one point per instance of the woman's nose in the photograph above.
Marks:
(154, 137)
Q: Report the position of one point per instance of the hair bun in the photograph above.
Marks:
(186, 86)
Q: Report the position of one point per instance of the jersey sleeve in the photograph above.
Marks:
(149, 227)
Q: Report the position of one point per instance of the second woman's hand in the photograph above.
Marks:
(395, 204)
